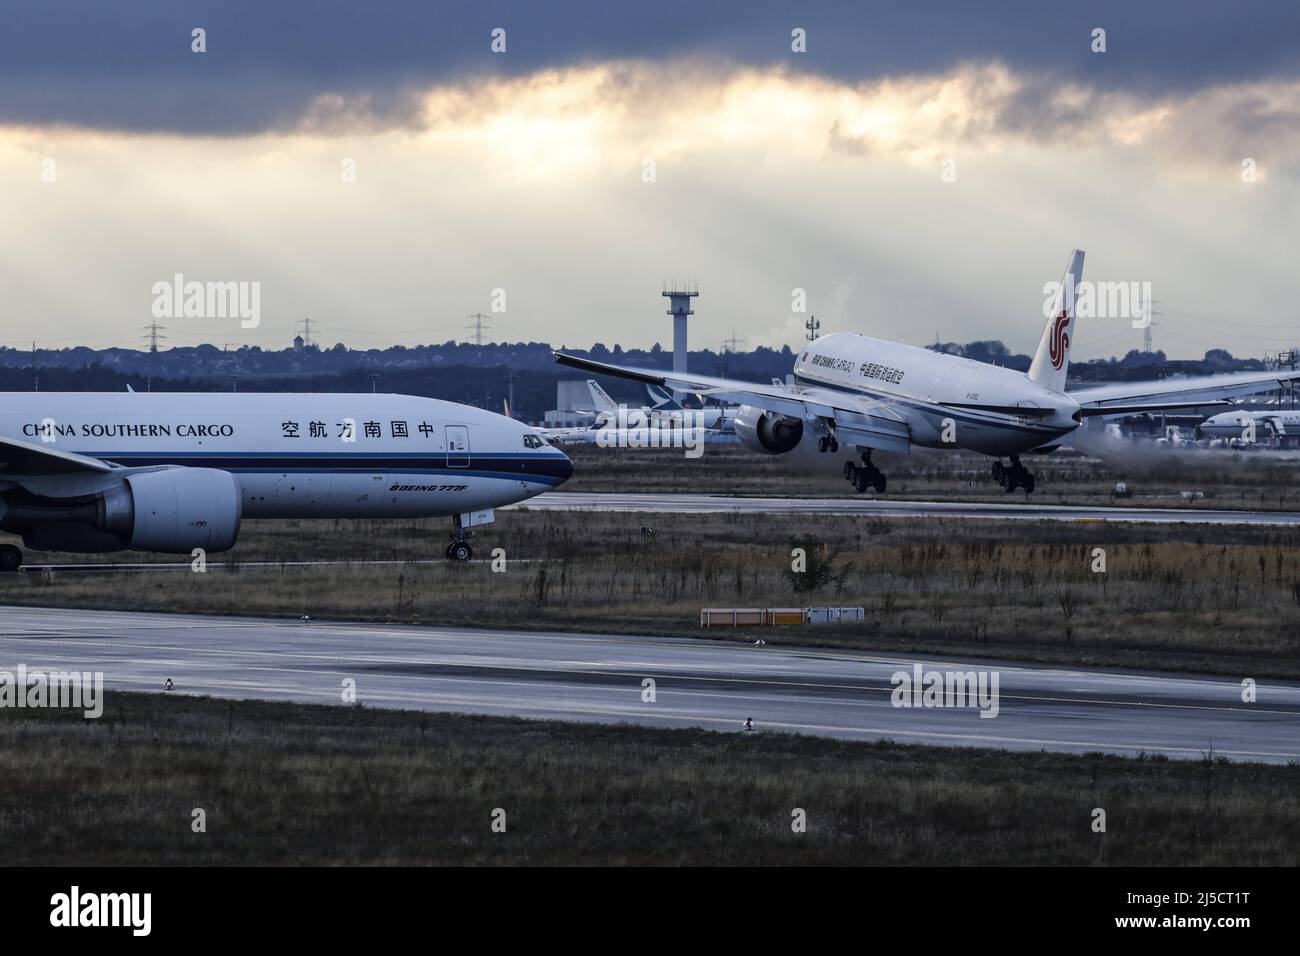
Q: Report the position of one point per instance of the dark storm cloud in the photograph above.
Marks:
(128, 65)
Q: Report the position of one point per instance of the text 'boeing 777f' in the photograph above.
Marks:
(868, 393)
(95, 472)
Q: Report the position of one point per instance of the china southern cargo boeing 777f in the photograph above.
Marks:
(172, 472)
(869, 394)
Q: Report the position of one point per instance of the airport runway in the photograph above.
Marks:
(698, 683)
(891, 508)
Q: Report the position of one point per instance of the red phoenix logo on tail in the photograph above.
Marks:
(1060, 340)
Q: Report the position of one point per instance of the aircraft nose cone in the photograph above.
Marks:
(564, 468)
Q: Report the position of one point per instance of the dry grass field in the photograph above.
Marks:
(299, 784)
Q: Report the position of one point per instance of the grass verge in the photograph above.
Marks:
(309, 784)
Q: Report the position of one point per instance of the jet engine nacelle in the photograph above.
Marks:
(763, 431)
(171, 510)
(176, 510)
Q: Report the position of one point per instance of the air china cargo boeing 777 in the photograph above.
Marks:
(93, 472)
(870, 394)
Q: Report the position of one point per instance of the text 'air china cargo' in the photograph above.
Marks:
(173, 472)
(868, 394)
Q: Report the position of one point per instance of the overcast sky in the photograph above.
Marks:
(921, 170)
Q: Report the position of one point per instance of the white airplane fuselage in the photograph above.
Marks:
(300, 455)
(928, 389)
(1251, 425)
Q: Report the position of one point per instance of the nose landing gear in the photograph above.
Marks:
(459, 549)
(866, 476)
(1017, 476)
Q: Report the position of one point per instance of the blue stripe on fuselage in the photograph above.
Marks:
(542, 469)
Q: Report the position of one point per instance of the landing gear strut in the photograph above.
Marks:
(11, 558)
(1017, 476)
(866, 476)
(459, 549)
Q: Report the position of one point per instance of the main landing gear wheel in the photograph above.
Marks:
(828, 443)
(866, 476)
(1017, 476)
(11, 558)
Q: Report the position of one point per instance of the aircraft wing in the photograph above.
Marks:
(26, 458)
(1133, 398)
(857, 419)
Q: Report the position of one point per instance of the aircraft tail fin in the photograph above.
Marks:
(661, 400)
(601, 398)
(1052, 359)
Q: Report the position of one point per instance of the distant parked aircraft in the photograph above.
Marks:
(1251, 426)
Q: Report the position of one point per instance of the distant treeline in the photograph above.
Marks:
(534, 389)
(459, 372)
(472, 374)
(1135, 365)
(208, 361)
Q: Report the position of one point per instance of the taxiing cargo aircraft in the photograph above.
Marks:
(173, 472)
(867, 394)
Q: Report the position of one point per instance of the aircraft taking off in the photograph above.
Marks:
(872, 394)
(171, 472)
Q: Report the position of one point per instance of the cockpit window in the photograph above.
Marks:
(534, 441)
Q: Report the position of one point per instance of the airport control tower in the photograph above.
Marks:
(681, 308)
